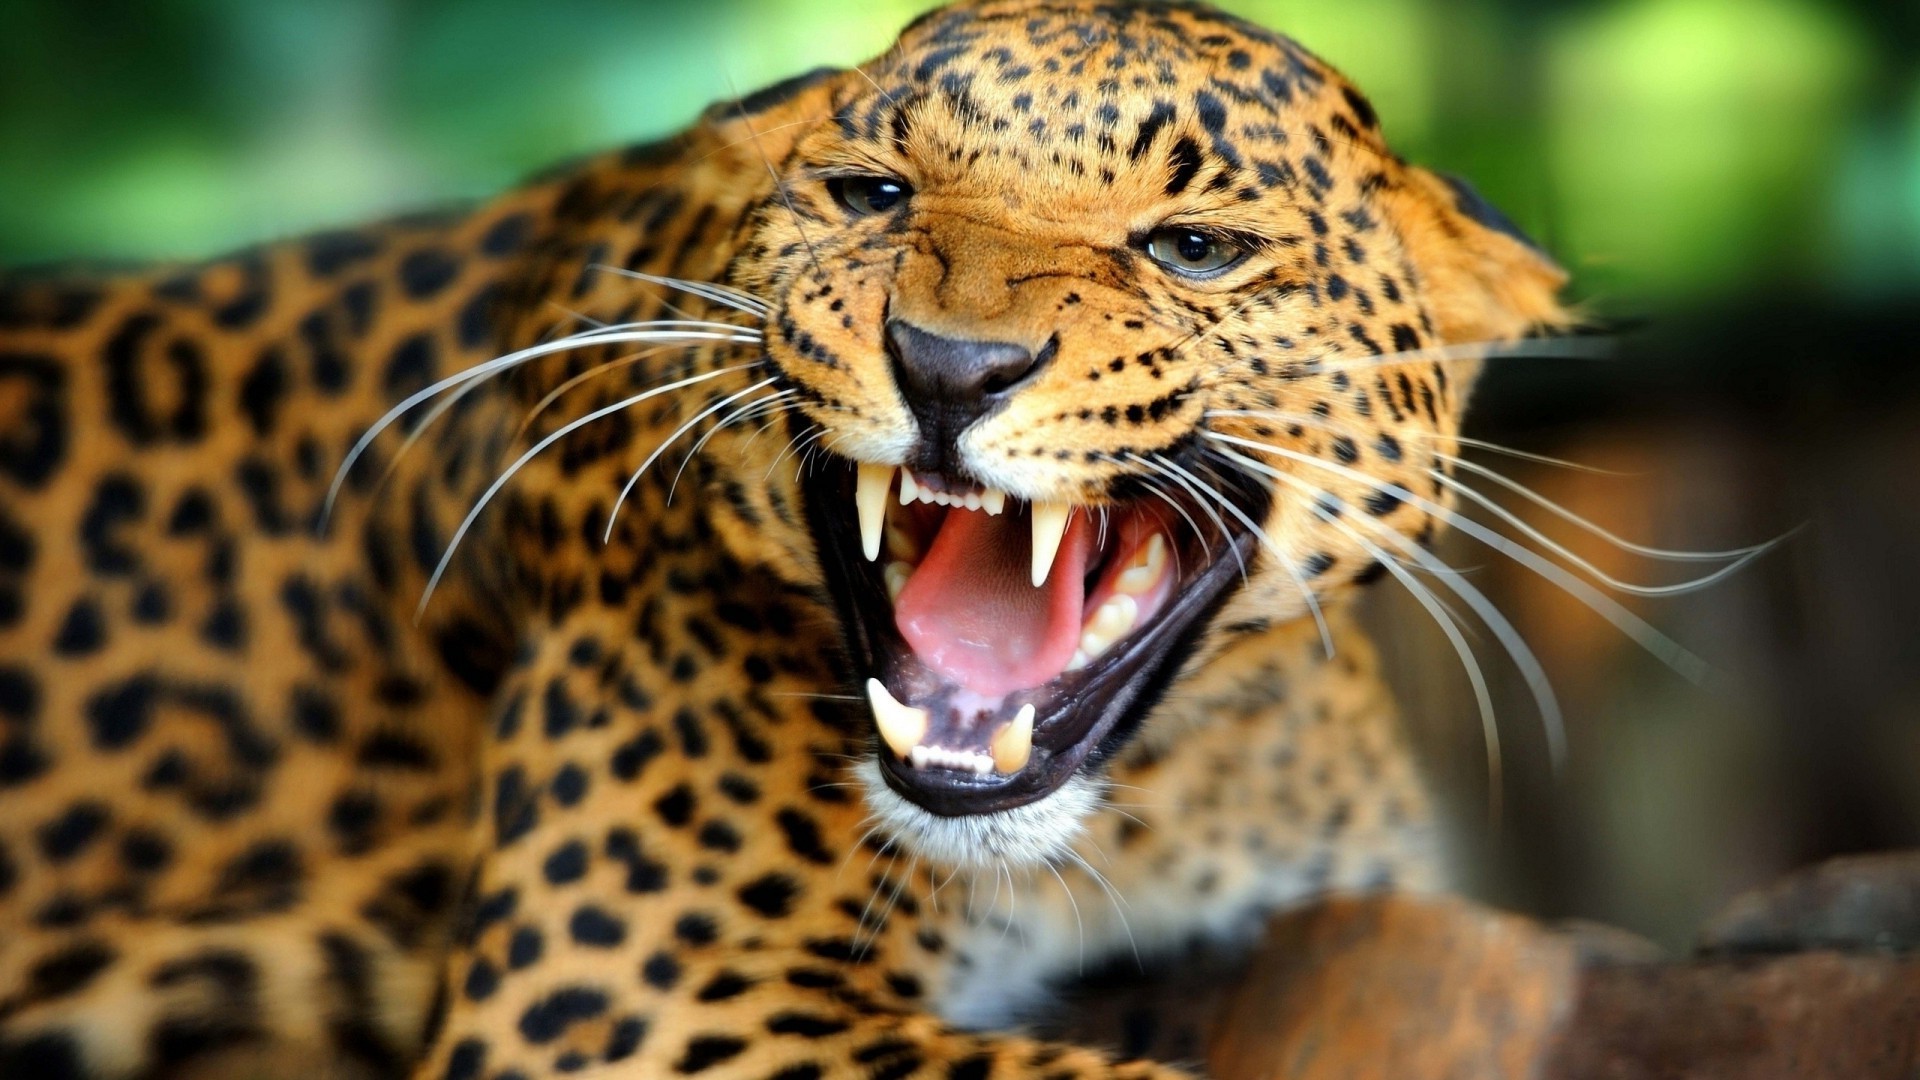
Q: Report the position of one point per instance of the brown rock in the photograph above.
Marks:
(1812, 1016)
(1399, 987)
(1863, 902)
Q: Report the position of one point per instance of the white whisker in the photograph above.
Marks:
(724, 295)
(1503, 630)
(1681, 660)
(1205, 507)
(1476, 678)
(1563, 348)
(1279, 556)
(466, 523)
(1117, 901)
(1744, 555)
(669, 331)
(1079, 924)
(626, 490)
(700, 443)
(1537, 459)
(594, 372)
(1595, 572)
(1158, 492)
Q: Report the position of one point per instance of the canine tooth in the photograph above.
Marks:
(1080, 660)
(994, 502)
(897, 574)
(901, 726)
(870, 499)
(1111, 623)
(1145, 569)
(1012, 747)
(909, 491)
(1049, 525)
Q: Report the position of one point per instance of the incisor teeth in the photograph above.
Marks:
(1112, 622)
(908, 489)
(870, 499)
(1049, 525)
(994, 502)
(924, 757)
(897, 574)
(901, 726)
(1012, 747)
(1080, 660)
(1141, 574)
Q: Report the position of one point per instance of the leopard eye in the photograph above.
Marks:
(1192, 252)
(865, 195)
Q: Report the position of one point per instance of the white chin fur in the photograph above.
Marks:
(1036, 834)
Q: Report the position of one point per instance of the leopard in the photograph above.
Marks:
(778, 601)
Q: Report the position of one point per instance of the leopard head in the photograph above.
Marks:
(1114, 331)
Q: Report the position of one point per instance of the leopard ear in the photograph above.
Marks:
(1484, 279)
(771, 119)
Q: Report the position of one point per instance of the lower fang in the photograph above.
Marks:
(897, 574)
(901, 726)
(1014, 746)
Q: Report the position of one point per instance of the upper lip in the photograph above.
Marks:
(1081, 715)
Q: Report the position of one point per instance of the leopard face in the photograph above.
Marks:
(1120, 333)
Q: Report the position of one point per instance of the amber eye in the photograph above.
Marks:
(864, 195)
(1191, 252)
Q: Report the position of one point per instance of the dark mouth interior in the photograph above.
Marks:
(961, 654)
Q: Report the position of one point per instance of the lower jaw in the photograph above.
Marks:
(1083, 717)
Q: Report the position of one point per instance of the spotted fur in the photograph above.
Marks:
(602, 806)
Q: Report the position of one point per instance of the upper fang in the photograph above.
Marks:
(870, 500)
(1049, 525)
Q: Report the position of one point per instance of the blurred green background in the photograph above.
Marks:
(1674, 148)
(1740, 177)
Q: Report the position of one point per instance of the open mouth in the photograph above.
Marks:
(1002, 644)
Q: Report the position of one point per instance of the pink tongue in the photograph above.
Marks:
(971, 612)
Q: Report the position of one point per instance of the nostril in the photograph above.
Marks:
(998, 384)
(1007, 373)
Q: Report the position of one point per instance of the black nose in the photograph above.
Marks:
(951, 382)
